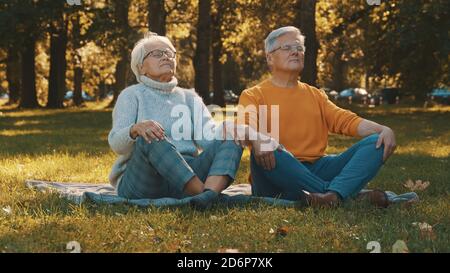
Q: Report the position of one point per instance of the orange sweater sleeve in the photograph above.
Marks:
(248, 108)
(339, 121)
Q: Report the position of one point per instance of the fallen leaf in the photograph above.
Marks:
(400, 247)
(228, 250)
(426, 230)
(186, 243)
(417, 185)
(283, 231)
(7, 210)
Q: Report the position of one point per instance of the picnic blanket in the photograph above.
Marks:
(239, 194)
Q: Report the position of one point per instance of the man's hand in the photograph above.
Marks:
(263, 152)
(387, 137)
(230, 130)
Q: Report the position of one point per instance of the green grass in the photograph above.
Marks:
(71, 145)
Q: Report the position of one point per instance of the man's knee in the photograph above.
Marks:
(372, 139)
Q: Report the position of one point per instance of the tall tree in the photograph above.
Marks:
(306, 21)
(58, 63)
(157, 16)
(29, 95)
(78, 68)
(413, 48)
(13, 75)
(122, 29)
(202, 51)
(217, 46)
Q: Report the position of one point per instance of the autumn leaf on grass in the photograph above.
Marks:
(228, 250)
(7, 210)
(417, 185)
(426, 230)
(283, 231)
(400, 247)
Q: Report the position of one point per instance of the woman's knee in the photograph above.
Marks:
(230, 145)
(161, 144)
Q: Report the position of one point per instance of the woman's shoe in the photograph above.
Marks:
(204, 200)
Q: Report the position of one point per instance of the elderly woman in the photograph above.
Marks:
(300, 169)
(154, 160)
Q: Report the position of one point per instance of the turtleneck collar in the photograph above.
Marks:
(166, 87)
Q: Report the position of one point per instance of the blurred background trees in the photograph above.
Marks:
(49, 47)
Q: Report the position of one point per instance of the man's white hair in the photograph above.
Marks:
(270, 41)
(139, 51)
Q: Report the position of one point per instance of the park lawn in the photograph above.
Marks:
(71, 145)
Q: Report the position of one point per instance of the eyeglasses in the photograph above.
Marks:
(289, 48)
(158, 53)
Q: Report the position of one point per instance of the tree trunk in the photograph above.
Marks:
(338, 71)
(58, 65)
(157, 16)
(306, 21)
(13, 75)
(29, 96)
(102, 89)
(217, 53)
(78, 70)
(121, 78)
(201, 58)
(78, 86)
(121, 16)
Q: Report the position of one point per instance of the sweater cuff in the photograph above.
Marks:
(354, 127)
(124, 133)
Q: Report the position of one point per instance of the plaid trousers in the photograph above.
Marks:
(157, 169)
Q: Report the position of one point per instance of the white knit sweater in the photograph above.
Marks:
(152, 100)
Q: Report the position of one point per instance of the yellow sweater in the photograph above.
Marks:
(306, 116)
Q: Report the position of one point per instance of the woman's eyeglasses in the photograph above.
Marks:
(158, 53)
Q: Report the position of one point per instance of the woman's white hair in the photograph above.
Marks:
(270, 41)
(139, 51)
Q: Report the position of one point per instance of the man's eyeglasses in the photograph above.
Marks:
(158, 53)
(289, 48)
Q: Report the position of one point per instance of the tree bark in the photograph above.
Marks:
(306, 21)
(78, 70)
(121, 17)
(201, 58)
(13, 75)
(157, 16)
(216, 54)
(121, 78)
(29, 95)
(338, 70)
(58, 65)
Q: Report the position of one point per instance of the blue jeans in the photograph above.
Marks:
(346, 173)
(157, 169)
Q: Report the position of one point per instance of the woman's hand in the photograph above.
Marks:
(148, 129)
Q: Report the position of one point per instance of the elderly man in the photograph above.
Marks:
(299, 169)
